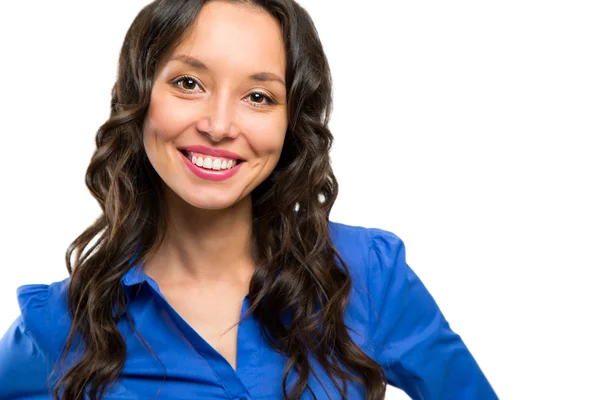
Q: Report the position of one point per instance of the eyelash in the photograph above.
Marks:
(269, 100)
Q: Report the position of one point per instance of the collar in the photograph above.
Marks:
(133, 278)
(135, 274)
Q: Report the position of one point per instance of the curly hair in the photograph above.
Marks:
(298, 270)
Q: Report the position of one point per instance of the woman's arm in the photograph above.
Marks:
(419, 352)
(23, 369)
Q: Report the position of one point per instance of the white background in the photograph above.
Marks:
(469, 128)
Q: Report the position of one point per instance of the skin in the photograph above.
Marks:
(204, 265)
(207, 245)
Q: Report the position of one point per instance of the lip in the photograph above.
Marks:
(212, 152)
(211, 175)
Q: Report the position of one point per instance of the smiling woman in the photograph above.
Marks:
(226, 80)
(214, 271)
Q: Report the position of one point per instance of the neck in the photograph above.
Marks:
(204, 246)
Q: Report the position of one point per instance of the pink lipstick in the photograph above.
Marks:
(210, 174)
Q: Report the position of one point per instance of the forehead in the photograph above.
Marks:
(234, 36)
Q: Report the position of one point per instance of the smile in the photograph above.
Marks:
(210, 162)
(209, 167)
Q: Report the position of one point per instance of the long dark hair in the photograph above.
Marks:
(298, 270)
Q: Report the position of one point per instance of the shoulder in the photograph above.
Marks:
(29, 348)
(376, 262)
(343, 234)
(374, 251)
(44, 313)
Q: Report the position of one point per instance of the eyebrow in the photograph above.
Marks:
(199, 65)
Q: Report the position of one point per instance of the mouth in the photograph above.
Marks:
(211, 162)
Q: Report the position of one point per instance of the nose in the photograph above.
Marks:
(218, 120)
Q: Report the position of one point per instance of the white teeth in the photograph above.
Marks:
(216, 164)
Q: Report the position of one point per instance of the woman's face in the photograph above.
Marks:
(222, 89)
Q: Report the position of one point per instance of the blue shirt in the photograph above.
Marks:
(396, 320)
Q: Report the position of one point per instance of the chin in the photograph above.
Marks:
(207, 201)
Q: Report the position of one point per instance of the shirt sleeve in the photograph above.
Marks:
(23, 369)
(414, 343)
(25, 364)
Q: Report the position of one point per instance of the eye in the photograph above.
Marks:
(258, 99)
(187, 83)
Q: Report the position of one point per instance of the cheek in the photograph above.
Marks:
(266, 135)
(165, 119)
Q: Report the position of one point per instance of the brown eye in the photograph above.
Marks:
(187, 83)
(259, 99)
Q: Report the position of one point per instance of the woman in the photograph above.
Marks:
(214, 271)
